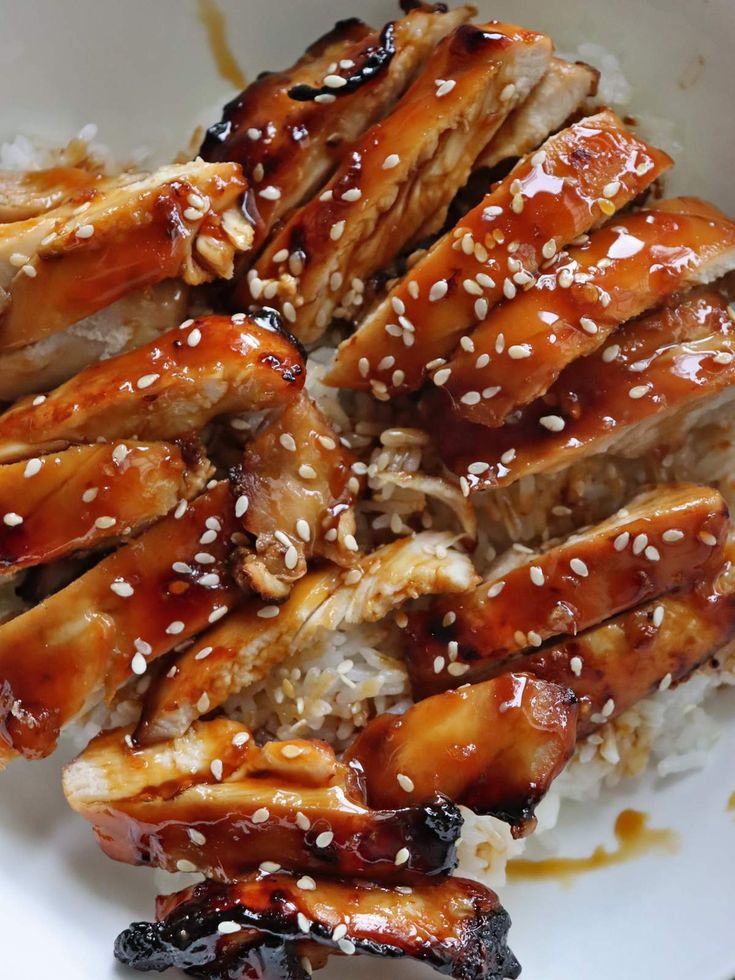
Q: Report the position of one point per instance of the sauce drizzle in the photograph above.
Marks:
(213, 21)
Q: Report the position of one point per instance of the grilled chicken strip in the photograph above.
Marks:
(180, 221)
(398, 180)
(559, 94)
(51, 505)
(27, 193)
(177, 383)
(614, 665)
(213, 801)
(251, 642)
(680, 360)
(295, 473)
(547, 201)
(666, 538)
(622, 271)
(84, 642)
(289, 129)
(136, 319)
(494, 747)
(457, 927)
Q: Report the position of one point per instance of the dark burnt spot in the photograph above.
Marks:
(370, 64)
(470, 39)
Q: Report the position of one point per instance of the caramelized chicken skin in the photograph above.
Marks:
(457, 927)
(289, 146)
(135, 230)
(177, 383)
(496, 247)
(494, 747)
(295, 473)
(622, 271)
(398, 180)
(251, 642)
(664, 539)
(682, 360)
(81, 644)
(51, 505)
(213, 801)
(559, 94)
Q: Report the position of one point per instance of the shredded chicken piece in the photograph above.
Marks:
(215, 801)
(439, 489)
(594, 574)
(494, 747)
(251, 642)
(177, 383)
(457, 926)
(26, 194)
(623, 270)
(132, 231)
(398, 180)
(548, 200)
(51, 505)
(289, 146)
(84, 642)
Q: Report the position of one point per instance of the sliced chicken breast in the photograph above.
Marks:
(664, 539)
(176, 384)
(27, 193)
(643, 391)
(560, 93)
(81, 644)
(289, 130)
(180, 221)
(457, 926)
(398, 180)
(251, 642)
(494, 747)
(547, 201)
(622, 271)
(50, 506)
(214, 801)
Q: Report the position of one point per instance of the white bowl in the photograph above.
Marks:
(144, 73)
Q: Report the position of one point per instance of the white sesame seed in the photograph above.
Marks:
(287, 441)
(268, 612)
(270, 193)
(575, 665)
(610, 353)
(202, 704)
(347, 947)
(402, 856)
(439, 664)
(303, 923)
(548, 249)
(334, 81)
(103, 523)
(32, 467)
(260, 815)
(337, 230)
(611, 189)
(405, 782)
(350, 542)
(639, 391)
(589, 326)
(666, 682)
(444, 87)
(203, 653)
(456, 670)
(147, 380)
(621, 541)
(608, 708)
(518, 351)
(477, 469)
(84, 231)
(353, 194)
(138, 664)
(470, 398)
(306, 884)
(38, 400)
(18, 259)
(303, 530)
(706, 538)
(302, 821)
(537, 575)
(652, 553)
(495, 589)
(472, 287)
(187, 867)
(658, 616)
(339, 932)
(121, 588)
(639, 543)
(391, 161)
(174, 628)
(196, 837)
(11, 519)
(193, 214)
(324, 839)
(554, 423)
(240, 739)
(490, 392)
(508, 456)
(509, 290)
(672, 535)
(579, 567)
(228, 928)
(508, 92)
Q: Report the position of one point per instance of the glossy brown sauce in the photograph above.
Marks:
(635, 838)
(213, 21)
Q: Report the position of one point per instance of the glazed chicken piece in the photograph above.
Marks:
(547, 201)
(295, 472)
(289, 129)
(83, 643)
(27, 193)
(51, 505)
(136, 319)
(395, 185)
(666, 538)
(180, 221)
(560, 93)
(614, 665)
(622, 271)
(456, 926)
(494, 747)
(213, 801)
(642, 392)
(251, 642)
(177, 383)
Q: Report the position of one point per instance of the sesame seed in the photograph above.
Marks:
(291, 558)
(29, 271)
(672, 535)
(337, 230)
(228, 928)
(706, 538)
(268, 612)
(589, 326)
(147, 380)
(575, 665)
(608, 708)
(193, 214)
(639, 391)
(306, 884)
(241, 505)
(495, 589)
(240, 739)
(324, 839)
(611, 189)
(363, 366)
(270, 193)
(438, 290)
(120, 454)
(210, 581)
(90, 494)
(203, 653)
(579, 567)
(519, 351)
(508, 456)
(537, 575)
(350, 542)
(303, 530)
(621, 541)
(554, 423)
(138, 664)
(477, 469)
(18, 259)
(444, 87)
(507, 92)
(103, 523)
(442, 376)
(391, 161)
(347, 947)
(470, 398)
(666, 682)
(121, 588)
(402, 856)
(196, 837)
(652, 553)
(302, 821)
(303, 923)
(260, 815)
(11, 519)
(658, 616)
(84, 231)
(32, 467)
(456, 670)
(334, 81)
(209, 537)
(287, 441)
(307, 472)
(203, 703)
(405, 782)
(187, 867)
(472, 287)
(548, 249)
(174, 628)
(439, 664)
(281, 255)
(38, 400)
(639, 543)
(353, 194)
